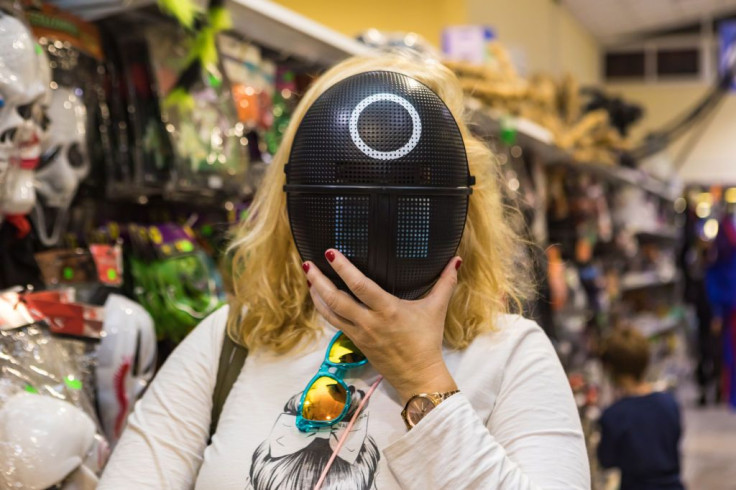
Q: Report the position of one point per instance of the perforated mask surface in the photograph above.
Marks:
(378, 171)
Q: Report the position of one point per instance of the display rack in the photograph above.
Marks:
(284, 31)
(641, 280)
(263, 22)
(528, 137)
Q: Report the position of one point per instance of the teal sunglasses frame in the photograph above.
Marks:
(336, 372)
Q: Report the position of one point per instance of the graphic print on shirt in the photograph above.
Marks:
(294, 460)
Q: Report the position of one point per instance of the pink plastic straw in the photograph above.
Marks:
(345, 435)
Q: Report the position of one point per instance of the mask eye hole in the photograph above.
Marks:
(75, 156)
(26, 111)
(48, 157)
(45, 121)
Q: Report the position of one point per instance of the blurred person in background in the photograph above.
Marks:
(720, 281)
(694, 261)
(641, 431)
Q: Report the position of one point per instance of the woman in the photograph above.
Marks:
(512, 425)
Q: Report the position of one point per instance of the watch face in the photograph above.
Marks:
(418, 407)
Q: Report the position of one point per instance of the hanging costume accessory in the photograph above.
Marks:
(23, 87)
(64, 164)
(378, 170)
(126, 360)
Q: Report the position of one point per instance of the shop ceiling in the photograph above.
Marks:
(613, 21)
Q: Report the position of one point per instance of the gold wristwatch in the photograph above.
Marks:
(420, 405)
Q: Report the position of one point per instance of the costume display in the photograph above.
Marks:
(720, 282)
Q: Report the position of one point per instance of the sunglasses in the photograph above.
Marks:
(326, 399)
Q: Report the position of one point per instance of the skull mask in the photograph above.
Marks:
(23, 84)
(64, 163)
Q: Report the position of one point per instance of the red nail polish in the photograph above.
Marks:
(309, 284)
(305, 267)
(458, 264)
(330, 255)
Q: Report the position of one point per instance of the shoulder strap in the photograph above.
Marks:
(232, 358)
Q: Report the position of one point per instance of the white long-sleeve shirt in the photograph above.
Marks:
(514, 424)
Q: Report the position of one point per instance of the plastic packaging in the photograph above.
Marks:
(43, 440)
(34, 360)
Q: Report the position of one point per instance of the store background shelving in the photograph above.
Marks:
(292, 35)
(284, 31)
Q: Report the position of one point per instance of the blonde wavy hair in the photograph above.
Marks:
(268, 281)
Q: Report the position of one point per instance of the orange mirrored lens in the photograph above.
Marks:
(343, 351)
(325, 400)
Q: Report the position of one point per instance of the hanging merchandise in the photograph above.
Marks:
(45, 441)
(22, 89)
(174, 280)
(77, 120)
(64, 164)
(141, 133)
(283, 104)
(94, 272)
(125, 362)
(48, 346)
(208, 139)
(241, 63)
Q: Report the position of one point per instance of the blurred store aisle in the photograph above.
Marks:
(709, 448)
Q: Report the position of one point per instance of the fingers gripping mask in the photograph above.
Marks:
(64, 163)
(378, 170)
(22, 87)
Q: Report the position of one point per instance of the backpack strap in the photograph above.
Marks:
(232, 359)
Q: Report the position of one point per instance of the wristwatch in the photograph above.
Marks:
(420, 405)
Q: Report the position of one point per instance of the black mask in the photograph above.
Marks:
(378, 171)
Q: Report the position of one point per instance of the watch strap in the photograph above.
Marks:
(438, 398)
(435, 398)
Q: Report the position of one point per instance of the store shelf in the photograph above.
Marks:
(528, 134)
(101, 8)
(261, 21)
(652, 326)
(279, 28)
(640, 280)
(485, 125)
(669, 233)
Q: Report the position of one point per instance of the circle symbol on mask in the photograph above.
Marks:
(385, 155)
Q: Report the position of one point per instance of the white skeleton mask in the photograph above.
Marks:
(64, 163)
(22, 86)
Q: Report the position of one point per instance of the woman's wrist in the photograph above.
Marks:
(436, 379)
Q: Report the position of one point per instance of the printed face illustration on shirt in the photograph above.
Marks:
(294, 460)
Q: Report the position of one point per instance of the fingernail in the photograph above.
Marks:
(458, 264)
(330, 255)
(305, 267)
(309, 284)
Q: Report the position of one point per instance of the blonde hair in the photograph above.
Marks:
(268, 281)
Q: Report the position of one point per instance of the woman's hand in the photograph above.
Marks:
(402, 339)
